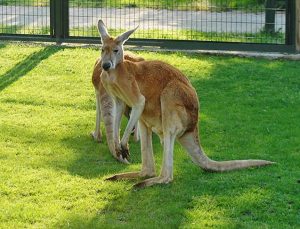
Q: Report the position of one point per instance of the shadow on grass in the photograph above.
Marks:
(172, 204)
(2, 45)
(94, 159)
(25, 66)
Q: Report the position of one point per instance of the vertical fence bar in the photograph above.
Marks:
(58, 33)
(290, 22)
(52, 16)
(297, 26)
(59, 19)
(270, 16)
(65, 18)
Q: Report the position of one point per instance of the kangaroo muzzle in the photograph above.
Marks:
(106, 66)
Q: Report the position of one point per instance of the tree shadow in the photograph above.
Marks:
(172, 203)
(2, 45)
(89, 159)
(26, 65)
(93, 159)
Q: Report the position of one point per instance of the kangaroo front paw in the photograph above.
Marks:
(123, 152)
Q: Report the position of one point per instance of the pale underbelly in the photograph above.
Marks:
(154, 123)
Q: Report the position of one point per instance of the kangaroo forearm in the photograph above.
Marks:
(134, 117)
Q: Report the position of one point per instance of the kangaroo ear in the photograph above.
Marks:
(125, 36)
(102, 31)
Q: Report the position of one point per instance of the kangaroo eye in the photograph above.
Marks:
(116, 51)
(102, 50)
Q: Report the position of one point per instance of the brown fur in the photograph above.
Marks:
(152, 77)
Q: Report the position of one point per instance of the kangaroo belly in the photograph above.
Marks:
(153, 123)
(151, 116)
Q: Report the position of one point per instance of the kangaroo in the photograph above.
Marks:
(163, 101)
(104, 106)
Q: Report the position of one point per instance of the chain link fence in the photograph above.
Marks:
(25, 17)
(229, 21)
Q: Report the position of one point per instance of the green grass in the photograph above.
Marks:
(52, 173)
(186, 34)
(14, 29)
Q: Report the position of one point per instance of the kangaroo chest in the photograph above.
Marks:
(111, 84)
(151, 115)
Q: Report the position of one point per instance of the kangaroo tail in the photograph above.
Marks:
(190, 141)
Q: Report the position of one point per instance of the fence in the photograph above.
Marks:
(265, 25)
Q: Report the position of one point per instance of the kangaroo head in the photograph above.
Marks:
(112, 48)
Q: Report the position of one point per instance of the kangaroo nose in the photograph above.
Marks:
(106, 66)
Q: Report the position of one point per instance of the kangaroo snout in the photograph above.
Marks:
(106, 66)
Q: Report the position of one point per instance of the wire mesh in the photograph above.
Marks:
(245, 21)
(25, 17)
(248, 21)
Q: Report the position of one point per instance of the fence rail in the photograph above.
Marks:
(191, 24)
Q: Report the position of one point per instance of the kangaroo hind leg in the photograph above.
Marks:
(148, 167)
(172, 126)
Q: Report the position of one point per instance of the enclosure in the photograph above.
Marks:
(190, 24)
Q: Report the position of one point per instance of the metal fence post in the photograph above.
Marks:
(52, 25)
(59, 19)
(298, 26)
(290, 22)
(270, 16)
(65, 18)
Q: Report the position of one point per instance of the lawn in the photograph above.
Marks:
(185, 34)
(52, 173)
